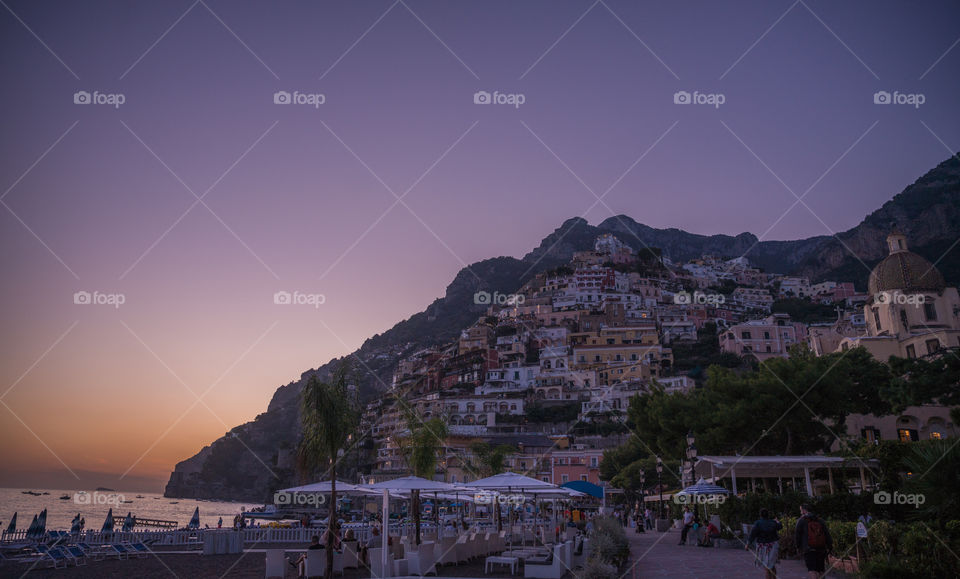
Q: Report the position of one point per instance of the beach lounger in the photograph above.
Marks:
(137, 549)
(118, 551)
(76, 555)
(57, 558)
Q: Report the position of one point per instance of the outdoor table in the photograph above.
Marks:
(501, 560)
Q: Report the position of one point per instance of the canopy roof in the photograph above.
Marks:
(704, 488)
(512, 481)
(411, 483)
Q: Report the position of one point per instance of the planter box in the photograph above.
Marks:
(847, 564)
(663, 525)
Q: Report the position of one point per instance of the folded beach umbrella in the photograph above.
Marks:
(194, 520)
(128, 523)
(108, 523)
(32, 529)
(42, 523)
(12, 527)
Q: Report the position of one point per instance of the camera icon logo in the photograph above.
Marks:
(282, 298)
(81, 97)
(682, 298)
(82, 298)
(482, 298)
(282, 498)
(881, 97)
(481, 97)
(81, 498)
(681, 97)
(281, 97)
(882, 498)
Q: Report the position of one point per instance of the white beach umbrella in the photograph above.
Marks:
(407, 483)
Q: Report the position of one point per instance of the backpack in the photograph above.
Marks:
(816, 534)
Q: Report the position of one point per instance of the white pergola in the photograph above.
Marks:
(715, 468)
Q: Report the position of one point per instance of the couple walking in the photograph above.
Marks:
(813, 542)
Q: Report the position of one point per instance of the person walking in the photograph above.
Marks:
(648, 518)
(765, 535)
(687, 525)
(813, 542)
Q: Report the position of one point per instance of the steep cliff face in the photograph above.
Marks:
(927, 212)
(254, 459)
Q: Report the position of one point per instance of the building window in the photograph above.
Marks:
(564, 478)
(907, 435)
(929, 310)
(933, 346)
(903, 320)
(870, 434)
(593, 461)
(911, 351)
(766, 335)
(744, 335)
(876, 318)
(935, 435)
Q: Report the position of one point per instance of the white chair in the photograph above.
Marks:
(375, 555)
(424, 560)
(315, 565)
(450, 551)
(276, 564)
(552, 570)
(351, 554)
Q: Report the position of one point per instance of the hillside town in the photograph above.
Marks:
(549, 371)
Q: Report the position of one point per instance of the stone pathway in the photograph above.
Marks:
(658, 555)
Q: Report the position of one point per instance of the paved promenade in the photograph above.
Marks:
(658, 555)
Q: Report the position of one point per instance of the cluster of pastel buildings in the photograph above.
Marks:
(585, 338)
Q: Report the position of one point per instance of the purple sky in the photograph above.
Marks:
(103, 389)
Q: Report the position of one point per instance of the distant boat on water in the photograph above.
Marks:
(174, 502)
(65, 498)
(139, 496)
(33, 493)
(105, 490)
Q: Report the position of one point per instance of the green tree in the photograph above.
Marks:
(422, 449)
(328, 418)
(491, 459)
(935, 469)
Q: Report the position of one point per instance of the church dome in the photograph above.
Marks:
(904, 271)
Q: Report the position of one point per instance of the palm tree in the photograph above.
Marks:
(422, 451)
(492, 461)
(328, 418)
(935, 465)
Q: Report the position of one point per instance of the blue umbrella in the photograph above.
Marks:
(704, 488)
(12, 527)
(194, 520)
(108, 523)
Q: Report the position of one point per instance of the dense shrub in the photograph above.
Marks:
(608, 543)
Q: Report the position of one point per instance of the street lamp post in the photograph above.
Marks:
(660, 484)
(643, 503)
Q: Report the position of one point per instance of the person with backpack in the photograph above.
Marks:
(765, 534)
(813, 541)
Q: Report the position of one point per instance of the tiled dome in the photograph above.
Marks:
(904, 271)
